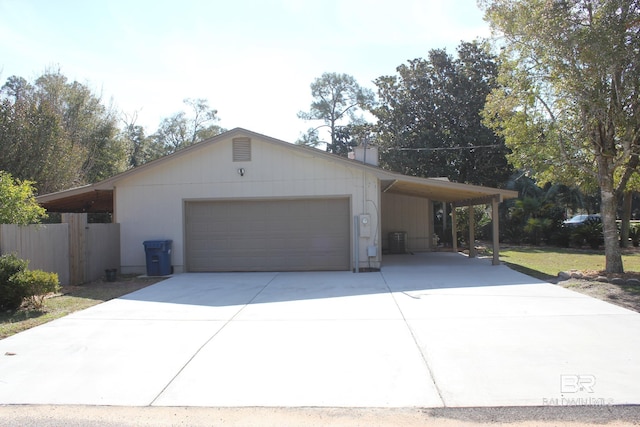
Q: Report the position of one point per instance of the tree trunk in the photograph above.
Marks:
(613, 256)
(626, 219)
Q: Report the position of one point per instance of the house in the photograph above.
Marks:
(242, 201)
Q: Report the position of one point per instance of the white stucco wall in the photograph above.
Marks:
(149, 204)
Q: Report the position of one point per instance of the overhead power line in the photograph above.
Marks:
(446, 148)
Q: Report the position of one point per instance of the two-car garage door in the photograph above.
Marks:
(267, 235)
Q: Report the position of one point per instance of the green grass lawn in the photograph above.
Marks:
(547, 262)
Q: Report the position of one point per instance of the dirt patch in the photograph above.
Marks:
(592, 283)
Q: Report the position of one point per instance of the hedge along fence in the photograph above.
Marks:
(77, 251)
(18, 283)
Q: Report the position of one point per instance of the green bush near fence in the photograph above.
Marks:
(17, 283)
(11, 296)
(35, 285)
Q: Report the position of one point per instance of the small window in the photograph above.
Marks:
(241, 149)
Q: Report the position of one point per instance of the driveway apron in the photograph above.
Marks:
(494, 337)
(429, 330)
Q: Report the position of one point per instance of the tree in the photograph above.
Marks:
(57, 133)
(32, 141)
(429, 120)
(568, 106)
(17, 201)
(140, 148)
(337, 98)
(627, 201)
(181, 130)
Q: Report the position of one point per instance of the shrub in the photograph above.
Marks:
(590, 233)
(554, 216)
(535, 228)
(19, 205)
(18, 283)
(10, 264)
(561, 237)
(35, 285)
(634, 234)
(512, 230)
(481, 219)
(11, 296)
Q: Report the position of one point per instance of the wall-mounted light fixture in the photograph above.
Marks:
(241, 171)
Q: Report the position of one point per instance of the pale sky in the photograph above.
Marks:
(253, 60)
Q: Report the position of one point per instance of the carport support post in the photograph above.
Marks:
(454, 229)
(472, 233)
(495, 219)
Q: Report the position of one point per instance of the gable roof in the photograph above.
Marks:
(98, 197)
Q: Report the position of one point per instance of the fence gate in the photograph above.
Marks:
(79, 252)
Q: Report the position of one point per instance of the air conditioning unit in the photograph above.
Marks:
(398, 242)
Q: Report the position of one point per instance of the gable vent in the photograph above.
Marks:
(241, 149)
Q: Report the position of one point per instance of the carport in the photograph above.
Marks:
(457, 195)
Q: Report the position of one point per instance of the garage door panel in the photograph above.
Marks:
(247, 245)
(268, 235)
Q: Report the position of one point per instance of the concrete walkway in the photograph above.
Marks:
(430, 330)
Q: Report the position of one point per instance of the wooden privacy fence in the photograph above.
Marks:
(78, 251)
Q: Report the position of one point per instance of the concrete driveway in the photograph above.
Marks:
(430, 330)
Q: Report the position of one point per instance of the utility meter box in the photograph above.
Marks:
(365, 225)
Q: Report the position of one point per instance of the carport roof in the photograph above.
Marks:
(80, 199)
(443, 190)
(98, 197)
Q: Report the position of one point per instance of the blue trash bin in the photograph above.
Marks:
(158, 257)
